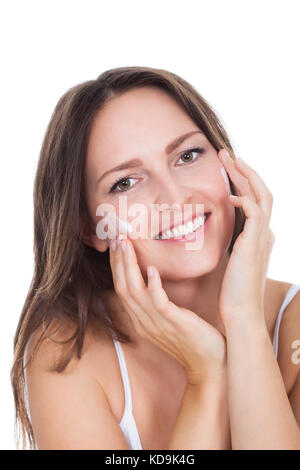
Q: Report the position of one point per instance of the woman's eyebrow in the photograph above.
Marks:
(136, 162)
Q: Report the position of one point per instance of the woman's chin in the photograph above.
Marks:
(197, 267)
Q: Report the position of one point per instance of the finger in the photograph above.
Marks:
(169, 311)
(133, 273)
(117, 268)
(263, 195)
(152, 316)
(239, 180)
(253, 213)
(137, 295)
(158, 295)
(150, 303)
(120, 284)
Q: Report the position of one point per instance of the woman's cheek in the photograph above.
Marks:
(226, 180)
(115, 226)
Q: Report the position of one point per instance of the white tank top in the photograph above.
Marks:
(127, 423)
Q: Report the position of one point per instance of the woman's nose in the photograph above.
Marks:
(170, 192)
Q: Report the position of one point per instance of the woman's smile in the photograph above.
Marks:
(196, 225)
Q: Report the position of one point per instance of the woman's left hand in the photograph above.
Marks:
(243, 286)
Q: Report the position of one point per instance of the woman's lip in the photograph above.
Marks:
(190, 236)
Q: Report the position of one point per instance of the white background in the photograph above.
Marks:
(242, 56)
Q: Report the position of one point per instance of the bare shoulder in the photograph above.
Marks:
(69, 409)
(46, 347)
(289, 338)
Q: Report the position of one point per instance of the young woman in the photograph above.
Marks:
(203, 364)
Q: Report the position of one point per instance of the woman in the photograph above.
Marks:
(197, 362)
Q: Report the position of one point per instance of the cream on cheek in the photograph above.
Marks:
(123, 225)
(226, 179)
(115, 226)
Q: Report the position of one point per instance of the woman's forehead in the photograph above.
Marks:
(137, 114)
(136, 124)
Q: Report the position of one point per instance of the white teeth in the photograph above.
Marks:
(184, 230)
(181, 230)
(190, 226)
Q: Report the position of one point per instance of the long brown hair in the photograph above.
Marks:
(70, 276)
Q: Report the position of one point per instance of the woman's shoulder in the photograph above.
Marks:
(289, 334)
(46, 349)
(279, 287)
(275, 293)
(61, 403)
(278, 291)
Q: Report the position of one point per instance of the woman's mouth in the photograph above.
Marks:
(185, 232)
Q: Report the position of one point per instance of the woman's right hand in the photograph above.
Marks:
(197, 345)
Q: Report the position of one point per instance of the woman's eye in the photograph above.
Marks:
(189, 152)
(116, 188)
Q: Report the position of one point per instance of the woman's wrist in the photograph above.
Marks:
(215, 379)
(246, 321)
(246, 334)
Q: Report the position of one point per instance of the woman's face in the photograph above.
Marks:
(139, 125)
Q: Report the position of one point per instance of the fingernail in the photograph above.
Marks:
(225, 154)
(113, 245)
(123, 245)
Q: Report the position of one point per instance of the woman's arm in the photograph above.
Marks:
(203, 421)
(260, 413)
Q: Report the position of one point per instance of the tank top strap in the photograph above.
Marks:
(124, 373)
(288, 297)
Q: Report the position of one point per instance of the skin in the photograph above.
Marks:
(163, 180)
(227, 292)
